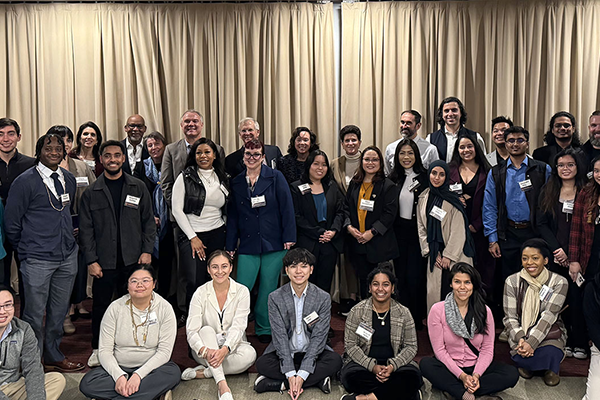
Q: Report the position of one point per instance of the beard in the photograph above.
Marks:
(595, 142)
(113, 173)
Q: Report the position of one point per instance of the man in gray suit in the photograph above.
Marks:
(299, 313)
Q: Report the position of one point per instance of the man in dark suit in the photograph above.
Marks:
(299, 313)
(116, 231)
(134, 151)
(248, 129)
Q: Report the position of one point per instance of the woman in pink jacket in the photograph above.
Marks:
(461, 330)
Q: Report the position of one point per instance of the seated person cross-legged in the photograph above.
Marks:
(216, 326)
(299, 313)
(137, 336)
(381, 342)
(533, 299)
(461, 330)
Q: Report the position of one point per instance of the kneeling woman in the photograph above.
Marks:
(380, 342)
(216, 326)
(533, 299)
(461, 330)
(136, 341)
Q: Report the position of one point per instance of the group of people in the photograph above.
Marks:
(503, 238)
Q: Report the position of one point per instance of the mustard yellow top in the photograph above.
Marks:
(365, 193)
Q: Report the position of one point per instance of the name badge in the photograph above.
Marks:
(304, 188)
(413, 186)
(525, 185)
(274, 164)
(579, 281)
(456, 188)
(568, 206)
(224, 190)
(365, 331)
(438, 213)
(82, 181)
(151, 317)
(545, 293)
(258, 201)
(367, 205)
(65, 199)
(132, 201)
(221, 337)
(590, 175)
(311, 318)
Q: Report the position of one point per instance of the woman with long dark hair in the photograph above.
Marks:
(372, 205)
(554, 218)
(411, 177)
(302, 143)
(87, 146)
(461, 330)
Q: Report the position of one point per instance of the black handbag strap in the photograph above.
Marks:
(473, 349)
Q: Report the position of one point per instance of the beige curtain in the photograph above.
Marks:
(69, 63)
(523, 59)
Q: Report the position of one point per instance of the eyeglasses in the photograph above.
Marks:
(7, 306)
(255, 156)
(569, 166)
(145, 282)
(135, 126)
(566, 125)
(518, 141)
(371, 160)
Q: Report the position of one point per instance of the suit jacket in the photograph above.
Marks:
(80, 170)
(234, 163)
(309, 228)
(126, 165)
(98, 224)
(282, 317)
(262, 229)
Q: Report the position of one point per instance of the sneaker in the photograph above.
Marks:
(579, 353)
(350, 396)
(94, 361)
(263, 384)
(68, 326)
(190, 373)
(325, 385)
(503, 337)
(569, 351)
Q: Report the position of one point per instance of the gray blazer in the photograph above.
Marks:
(282, 316)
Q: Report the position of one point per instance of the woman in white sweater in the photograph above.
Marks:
(137, 336)
(216, 326)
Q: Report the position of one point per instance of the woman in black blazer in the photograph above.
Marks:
(319, 207)
(372, 205)
(411, 177)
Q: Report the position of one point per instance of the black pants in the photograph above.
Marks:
(193, 268)
(327, 257)
(511, 250)
(403, 384)
(410, 270)
(80, 285)
(103, 289)
(327, 364)
(496, 378)
(164, 263)
(363, 267)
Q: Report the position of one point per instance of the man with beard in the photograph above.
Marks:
(116, 232)
(591, 148)
(499, 126)
(135, 152)
(561, 134)
(410, 123)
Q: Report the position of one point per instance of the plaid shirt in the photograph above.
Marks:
(403, 337)
(548, 315)
(582, 231)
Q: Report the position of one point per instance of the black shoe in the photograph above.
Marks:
(331, 333)
(351, 396)
(263, 384)
(325, 385)
(264, 338)
(181, 321)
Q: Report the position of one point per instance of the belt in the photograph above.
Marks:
(519, 225)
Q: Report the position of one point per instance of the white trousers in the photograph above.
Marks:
(593, 380)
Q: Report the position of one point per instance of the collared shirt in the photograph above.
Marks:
(451, 142)
(134, 154)
(188, 146)
(46, 173)
(299, 340)
(7, 331)
(428, 152)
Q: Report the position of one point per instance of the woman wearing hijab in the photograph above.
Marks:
(533, 299)
(443, 232)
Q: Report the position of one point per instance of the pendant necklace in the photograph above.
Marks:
(382, 319)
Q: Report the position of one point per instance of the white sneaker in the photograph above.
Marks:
(579, 353)
(568, 351)
(226, 396)
(94, 361)
(190, 373)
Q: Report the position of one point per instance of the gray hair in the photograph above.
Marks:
(192, 111)
(248, 119)
(154, 135)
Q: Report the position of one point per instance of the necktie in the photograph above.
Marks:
(57, 185)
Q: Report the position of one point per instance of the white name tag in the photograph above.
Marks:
(258, 201)
(224, 190)
(364, 331)
(413, 186)
(311, 318)
(456, 188)
(579, 281)
(132, 201)
(274, 164)
(568, 206)
(367, 205)
(82, 181)
(545, 293)
(152, 319)
(65, 199)
(590, 175)
(438, 213)
(304, 188)
(525, 185)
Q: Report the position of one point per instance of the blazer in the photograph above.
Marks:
(98, 224)
(80, 170)
(204, 311)
(476, 217)
(126, 165)
(309, 229)
(234, 162)
(423, 180)
(282, 317)
(262, 229)
(383, 246)
(338, 170)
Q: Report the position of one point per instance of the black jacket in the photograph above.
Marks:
(98, 224)
(195, 192)
(424, 184)
(234, 162)
(309, 229)
(126, 165)
(547, 153)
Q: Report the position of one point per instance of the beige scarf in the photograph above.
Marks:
(531, 302)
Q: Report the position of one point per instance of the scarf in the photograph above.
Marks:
(531, 301)
(465, 328)
(159, 205)
(434, 227)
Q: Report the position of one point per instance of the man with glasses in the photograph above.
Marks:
(136, 154)
(499, 126)
(21, 372)
(116, 232)
(561, 134)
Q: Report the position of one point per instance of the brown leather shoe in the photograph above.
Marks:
(551, 379)
(63, 366)
(525, 373)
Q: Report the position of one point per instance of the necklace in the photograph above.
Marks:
(144, 323)
(382, 319)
